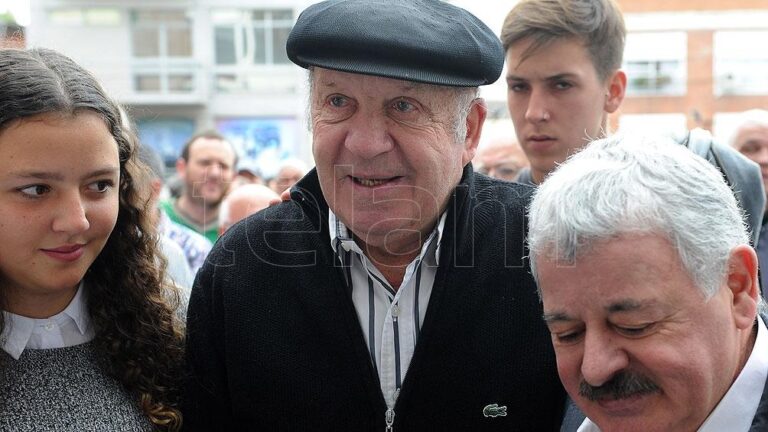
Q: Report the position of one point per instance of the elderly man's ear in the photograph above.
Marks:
(475, 120)
(744, 286)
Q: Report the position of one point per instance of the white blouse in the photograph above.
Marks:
(70, 327)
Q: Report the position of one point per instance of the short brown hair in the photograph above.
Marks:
(598, 23)
(209, 134)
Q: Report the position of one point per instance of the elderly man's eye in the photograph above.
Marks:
(404, 106)
(338, 101)
(633, 331)
(749, 149)
(569, 337)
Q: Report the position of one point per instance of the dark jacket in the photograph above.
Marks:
(760, 422)
(275, 344)
(741, 174)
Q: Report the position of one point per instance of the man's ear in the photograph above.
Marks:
(181, 167)
(475, 120)
(155, 187)
(617, 86)
(743, 283)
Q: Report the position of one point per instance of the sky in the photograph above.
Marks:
(486, 11)
(492, 13)
(19, 9)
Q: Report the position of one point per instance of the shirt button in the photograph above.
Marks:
(49, 326)
(395, 311)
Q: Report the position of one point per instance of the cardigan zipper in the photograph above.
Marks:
(389, 415)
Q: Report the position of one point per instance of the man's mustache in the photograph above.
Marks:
(623, 385)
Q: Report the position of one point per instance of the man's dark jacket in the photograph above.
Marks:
(275, 344)
(760, 422)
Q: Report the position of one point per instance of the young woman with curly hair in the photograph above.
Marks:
(89, 335)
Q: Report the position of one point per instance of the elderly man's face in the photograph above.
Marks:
(286, 177)
(752, 142)
(386, 154)
(502, 161)
(638, 347)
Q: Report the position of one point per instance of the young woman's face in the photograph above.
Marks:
(58, 205)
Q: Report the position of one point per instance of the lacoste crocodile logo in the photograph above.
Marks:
(494, 410)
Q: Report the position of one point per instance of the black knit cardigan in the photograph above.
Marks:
(274, 343)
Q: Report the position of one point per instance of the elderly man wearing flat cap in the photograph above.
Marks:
(390, 293)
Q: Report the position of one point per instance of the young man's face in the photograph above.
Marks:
(557, 101)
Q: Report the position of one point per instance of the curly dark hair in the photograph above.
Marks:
(134, 312)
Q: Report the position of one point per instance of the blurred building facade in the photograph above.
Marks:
(181, 66)
(693, 63)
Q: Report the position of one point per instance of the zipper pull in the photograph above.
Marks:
(389, 416)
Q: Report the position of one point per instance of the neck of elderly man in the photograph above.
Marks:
(389, 154)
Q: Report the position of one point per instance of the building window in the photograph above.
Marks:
(671, 125)
(739, 67)
(162, 52)
(161, 34)
(103, 17)
(166, 135)
(264, 141)
(247, 41)
(656, 63)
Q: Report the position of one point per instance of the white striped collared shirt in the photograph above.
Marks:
(391, 319)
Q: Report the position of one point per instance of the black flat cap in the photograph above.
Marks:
(427, 41)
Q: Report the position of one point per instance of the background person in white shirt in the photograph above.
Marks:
(177, 268)
(650, 290)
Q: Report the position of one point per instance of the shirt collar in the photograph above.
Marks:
(18, 329)
(77, 310)
(738, 407)
(340, 236)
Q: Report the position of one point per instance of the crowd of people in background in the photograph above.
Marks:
(412, 280)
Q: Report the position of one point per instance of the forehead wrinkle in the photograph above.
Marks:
(615, 307)
(626, 306)
(328, 83)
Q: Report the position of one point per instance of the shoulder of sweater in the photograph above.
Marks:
(511, 194)
(287, 234)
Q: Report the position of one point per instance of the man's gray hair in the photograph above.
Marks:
(753, 117)
(462, 104)
(638, 185)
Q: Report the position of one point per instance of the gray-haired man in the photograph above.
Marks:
(650, 290)
(390, 292)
